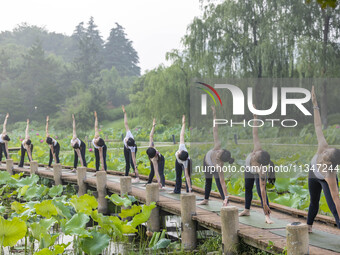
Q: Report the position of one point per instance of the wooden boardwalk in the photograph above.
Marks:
(208, 217)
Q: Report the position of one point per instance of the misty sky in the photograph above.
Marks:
(154, 26)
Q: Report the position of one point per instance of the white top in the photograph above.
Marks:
(250, 169)
(1, 140)
(157, 154)
(208, 158)
(182, 148)
(54, 142)
(94, 145)
(129, 135)
(76, 140)
(315, 168)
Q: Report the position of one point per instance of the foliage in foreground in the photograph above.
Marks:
(37, 214)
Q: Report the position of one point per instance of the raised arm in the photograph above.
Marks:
(151, 144)
(74, 127)
(125, 119)
(47, 120)
(181, 140)
(217, 143)
(256, 140)
(4, 131)
(27, 136)
(322, 143)
(96, 130)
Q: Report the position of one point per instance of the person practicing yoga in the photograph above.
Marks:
(4, 139)
(26, 146)
(54, 146)
(79, 148)
(212, 163)
(99, 147)
(323, 173)
(257, 170)
(130, 149)
(157, 161)
(183, 161)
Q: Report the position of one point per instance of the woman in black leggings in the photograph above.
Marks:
(213, 161)
(26, 146)
(130, 150)
(4, 139)
(157, 161)
(183, 163)
(99, 147)
(322, 173)
(256, 171)
(79, 148)
(54, 146)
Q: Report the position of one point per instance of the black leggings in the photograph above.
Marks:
(128, 160)
(179, 169)
(23, 151)
(96, 153)
(315, 186)
(3, 149)
(82, 154)
(249, 180)
(208, 182)
(161, 163)
(56, 150)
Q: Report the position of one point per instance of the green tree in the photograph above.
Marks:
(119, 52)
(88, 61)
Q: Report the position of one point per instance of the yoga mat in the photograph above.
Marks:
(213, 206)
(257, 220)
(319, 239)
(175, 196)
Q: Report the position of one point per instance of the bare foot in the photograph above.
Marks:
(310, 229)
(204, 202)
(268, 220)
(135, 180)
(245, 212)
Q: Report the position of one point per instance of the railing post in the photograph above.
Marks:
(125, 185)
(9, 166)
(297, 238)
(152, 195)
(188, 226)
(173, 139)
(229, 225)
(101, 189)
(81, 177)
(34, 167)
(57, 170)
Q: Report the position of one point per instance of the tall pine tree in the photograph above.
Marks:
(90, 46)
(118, 52)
